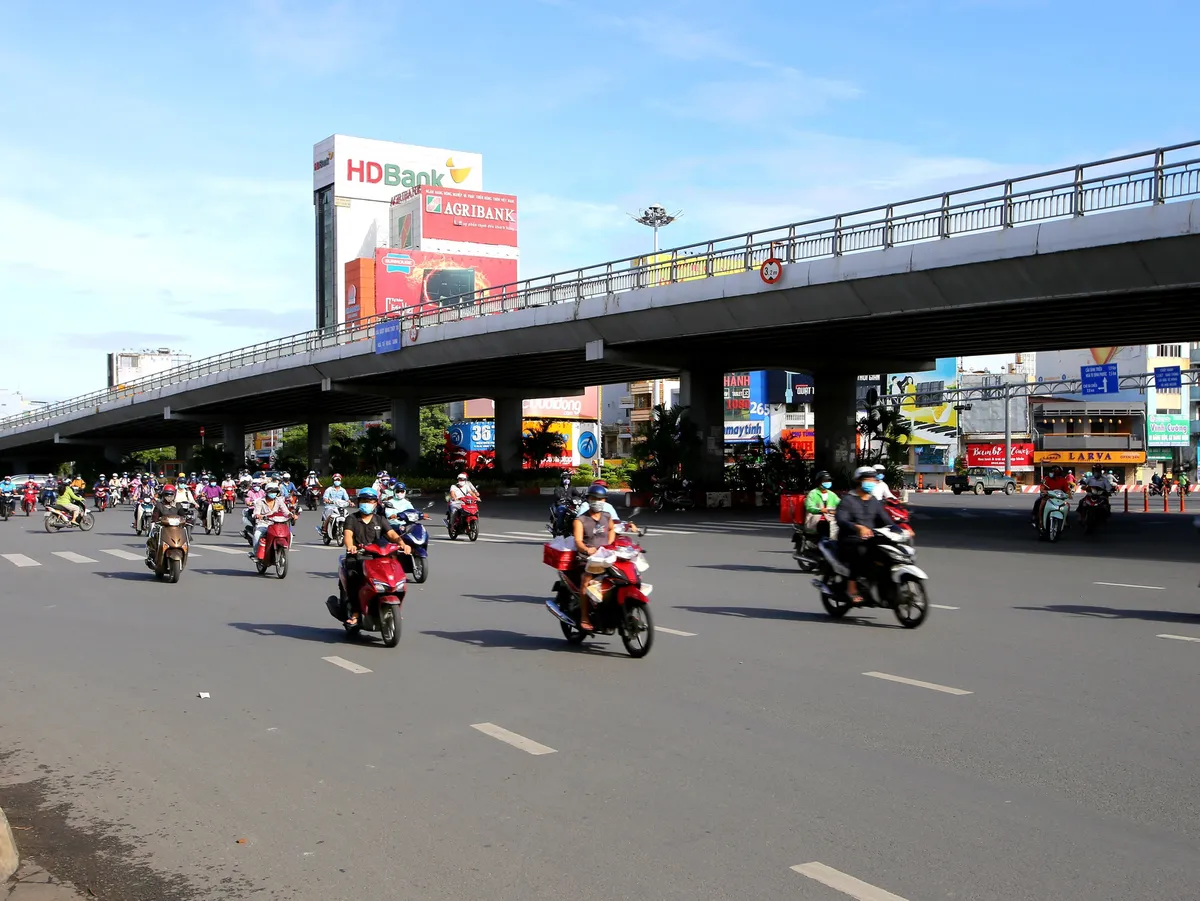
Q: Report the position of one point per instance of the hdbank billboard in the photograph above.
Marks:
(580, 442)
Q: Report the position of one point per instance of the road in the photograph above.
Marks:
(757, 737)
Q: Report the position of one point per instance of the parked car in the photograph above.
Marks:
(22, 478)
(982, 480)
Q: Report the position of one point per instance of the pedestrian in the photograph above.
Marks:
(597, 465)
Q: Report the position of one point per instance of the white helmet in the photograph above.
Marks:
(864, 472)
(462, 476)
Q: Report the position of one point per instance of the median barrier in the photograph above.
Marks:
(9, 859)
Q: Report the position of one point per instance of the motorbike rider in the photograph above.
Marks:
(70, 502)
(563, 504)
(882, 491)
(592, 530)
(821, 502)
(380, 482)
(100, 486)
(461, 490)
(1055, 481)
(363, 527)
(8, 490)
(166, 504)
(312, 483)
(334, 495)
(858, 514)
(398, 502)
(273, 503)
(209, 493)
(78, 484)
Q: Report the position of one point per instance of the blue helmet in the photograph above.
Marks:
(399, 486)
(598, 491)
(368, 494)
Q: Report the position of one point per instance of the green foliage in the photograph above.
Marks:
(538, 443)
(147, 459)
(212, 457)
(885, 436)
(670, 447)
(435, 422)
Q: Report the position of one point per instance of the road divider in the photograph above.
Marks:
(528, 745)
(932, 686)
(844, 883)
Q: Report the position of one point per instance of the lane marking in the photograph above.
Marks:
(965, 515)
(72, 557)
(944, 607)
(122, 555)
(844, 883)
(543, 536)
(932, 686)
(20, 560)
(1125, 585)
(1179, 637)
(527, 745)
(221, 549)
(674, 632)
(346, 664)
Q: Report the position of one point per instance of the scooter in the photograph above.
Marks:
(1054, 516)
(892, 579)
(8, 503)
(562, 514)
(29, 500)
(900, 516)
(56, 520)
(415, 535)
(464, 519)
(1093, 509)
(806, 548)
(214, 519)
(273, 547)
(311, 496)
(672, 497)
(141, 515)
(378, 596)
(167, 556)
(100, 499)
(334, 525)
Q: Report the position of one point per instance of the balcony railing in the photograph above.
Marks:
(1137, 179)
(1092, 442)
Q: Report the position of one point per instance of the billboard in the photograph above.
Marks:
(1168, 429)
(917, 395)
(425, 282)
(738, 431)
(584, 406)
(476, 437)
(990, 454)
(424, 214)
(1055, 365)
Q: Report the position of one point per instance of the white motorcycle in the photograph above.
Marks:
(1054, 516)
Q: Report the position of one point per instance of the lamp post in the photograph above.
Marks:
(656, 216)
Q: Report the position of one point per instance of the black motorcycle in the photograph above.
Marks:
(890, 579)
(673, 496)
(562, 513)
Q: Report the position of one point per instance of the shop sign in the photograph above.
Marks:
(993, 454)
(1085, 456)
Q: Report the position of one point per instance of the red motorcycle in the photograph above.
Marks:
(273, 547)
(100, 499)
(618, 598)
(230, 495)
(29, 500)
(464, 519)
(900, 515)
(378, 597)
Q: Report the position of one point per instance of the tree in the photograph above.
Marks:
(376, 448)
(539, 443)
(885, 433)
(147, 459)
(212, 457)
(435, 422)
(669, 447)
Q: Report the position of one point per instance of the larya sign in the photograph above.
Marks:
(993, 454)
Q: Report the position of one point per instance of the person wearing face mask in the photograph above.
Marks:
(364, 527)
(820, 507)
(594, 529)
(858, 514)
(335, 496)
(881, 491)
(459, 492)
(207, 496)
(265, 507)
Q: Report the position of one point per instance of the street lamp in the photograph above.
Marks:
(656, 216)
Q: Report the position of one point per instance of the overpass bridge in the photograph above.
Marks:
(1101, 253)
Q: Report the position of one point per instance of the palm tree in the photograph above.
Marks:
(539, 443)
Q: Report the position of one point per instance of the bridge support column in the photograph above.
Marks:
(510, 428)
(702, 391)
(113, 454)
(406, 429)
(835, 427)
(233, 438)
(318, 445)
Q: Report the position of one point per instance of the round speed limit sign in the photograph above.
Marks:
(771, 271)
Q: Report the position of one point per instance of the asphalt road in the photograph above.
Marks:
(758, 736)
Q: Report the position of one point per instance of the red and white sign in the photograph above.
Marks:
(450, 214)
(771, 270)
(993, 454)
(584, 406)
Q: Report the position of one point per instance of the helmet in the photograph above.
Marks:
(597, 491)
(228, 475)
(821, 476)
(287, 476)
(101, 475)
(381, 474)
(312, 472)
(879, 467)
(368, 494)
(566, 478)
(864, 472)
(1056, 472)
(337, 476)
(462, 476)
(168, 488)
(600, 482)
(399, 486)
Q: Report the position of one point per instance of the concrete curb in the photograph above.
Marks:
(9, 859)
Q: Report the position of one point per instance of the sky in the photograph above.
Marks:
(156, 180)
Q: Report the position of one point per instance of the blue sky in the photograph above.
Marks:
(156, 185)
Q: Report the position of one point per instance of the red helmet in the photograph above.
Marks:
(337, 476)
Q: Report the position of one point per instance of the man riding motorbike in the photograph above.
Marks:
(881, 491)
(459, 492)
(364, 527)
(209, 493)
(858, 514)
(398, 502)
(70, 502)
(166, 504)
(564, 506)
(821, 503)
(592, 530)
(8, 494)
(334, 496)
(1055, 481)
(274, 503)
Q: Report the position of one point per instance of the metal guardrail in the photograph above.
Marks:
(1137, 179)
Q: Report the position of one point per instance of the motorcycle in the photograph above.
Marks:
(379, 595)
(891, 578)
(273, 547)
(465, 518)
(618, 598)
(1054, 516)
(230, 497)
(168, 554)
(100, 499)
(188, 512)
(47, 496)
(900, 516)
(214, 519)
(562, 514)
(56, 520)
(312, 495)
(672, 497)
(415, 535)
(248, 525)
(1093, 508)
(29, 500)
(141, 515)
(8, 503)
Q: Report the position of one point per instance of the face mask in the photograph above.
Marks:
(399, 495)
(868, 487)
(827, 485)
(366, 508)
(272, 494)
(595, 506)
(337, 483)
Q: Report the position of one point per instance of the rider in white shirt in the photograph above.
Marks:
(335, 495)
(459, 492)
(1097, 479)
(881, 491)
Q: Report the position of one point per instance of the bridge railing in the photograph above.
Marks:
(1136, 179)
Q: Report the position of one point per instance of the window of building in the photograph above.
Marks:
(1170, 350)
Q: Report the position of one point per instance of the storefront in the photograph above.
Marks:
(1122, 464)
(990, 452)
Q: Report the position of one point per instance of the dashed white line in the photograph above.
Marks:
(121, 555)
(346, 664)
(932, 686)
(944, 607)
(528, 745)
(844, 883)
(72, 557)
(20, 560)
(221, 549)
(674, 632)
(1126, 585)
(1179, 637)
(965, 515)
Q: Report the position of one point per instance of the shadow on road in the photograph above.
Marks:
(126, 575)
(227, 572)
(794, 615)
(1154, 616)
(509, 598)
(518, 641)
(747, 567)
(330, 635)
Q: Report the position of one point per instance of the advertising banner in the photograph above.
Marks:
(584, 406)
(658, 269)
(746, 395)
(366, 169)
(803, 441)
(917, 395)
(447, 214)
(425, 282)
(993, 454)
(1168, 430)
(1084, 456)
(738, 431)
(474, 437)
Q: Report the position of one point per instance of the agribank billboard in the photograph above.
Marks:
(426, 216)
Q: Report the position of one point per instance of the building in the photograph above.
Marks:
(354, 181)
(125, 366)
(14, 403)
(982, 422)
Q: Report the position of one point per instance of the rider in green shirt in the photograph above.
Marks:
(819, 502)
(70, 502)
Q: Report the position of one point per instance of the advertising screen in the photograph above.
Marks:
(584, 406)
(917, 395)
(417, 280)
(1167, 429)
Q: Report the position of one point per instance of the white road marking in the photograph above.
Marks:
(657, 530)
(72, 557)
(122, 555)
(221, 549)
(346, 664)
(674, 632)
(540, 536)
(1179, 637)
(1126, 585)
(844, 883)
(527, 745)
(943, 607)
(20, 560)
(932, 686)
(965, 515)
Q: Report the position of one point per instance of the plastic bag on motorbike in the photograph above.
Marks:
(601, 560)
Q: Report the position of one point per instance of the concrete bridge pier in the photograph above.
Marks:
(702, 391)
(406, 428)
(318, 445)
(509, 429)
(835, 397)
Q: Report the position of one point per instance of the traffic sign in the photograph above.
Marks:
(771, 271)
(1102, 379)
(1167, 378)
(587, 445)
(387, 336)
